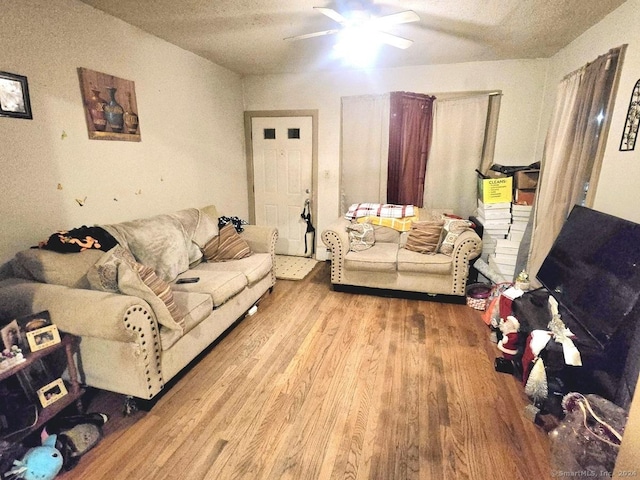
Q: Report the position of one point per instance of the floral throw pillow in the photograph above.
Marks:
(453, 227)
(361, 236)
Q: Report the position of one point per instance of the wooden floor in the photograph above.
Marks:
(330, 385)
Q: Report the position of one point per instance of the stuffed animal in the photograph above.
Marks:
(77, 434)
(39, 463)
(508, 344)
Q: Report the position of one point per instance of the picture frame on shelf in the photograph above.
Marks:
(43, 337)
(14, 96)
(52, 392)
(11, 335)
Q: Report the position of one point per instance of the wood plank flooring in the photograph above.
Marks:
(331, 385)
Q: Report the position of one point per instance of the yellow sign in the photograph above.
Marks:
(495, 190)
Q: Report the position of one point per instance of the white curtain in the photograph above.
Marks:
(456, 152)
(574, 140)
(365, 149)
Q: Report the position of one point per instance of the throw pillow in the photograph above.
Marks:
(453, 227)
(425, 237)
(118, 272)
(361, 236)
(103, 275)
(228, 245)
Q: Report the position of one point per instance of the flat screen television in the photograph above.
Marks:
(593, 270)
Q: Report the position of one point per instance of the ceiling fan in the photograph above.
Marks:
(360, 18)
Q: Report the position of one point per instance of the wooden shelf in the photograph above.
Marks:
(74, 391)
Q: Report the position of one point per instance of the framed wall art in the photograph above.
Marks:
(14, 96)
(630, 131)
(110, 106)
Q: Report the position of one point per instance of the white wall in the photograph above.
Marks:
(191, 121)
(618, 191)
(521, 81)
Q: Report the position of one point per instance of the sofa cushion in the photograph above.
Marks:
(254, 267)
(198, 307)
(220, 286)
(382, 257)
(47, 266)
(438, 264)
(228, 245)
(425, 237)
(386, 234)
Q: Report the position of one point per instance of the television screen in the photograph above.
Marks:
(593, 270)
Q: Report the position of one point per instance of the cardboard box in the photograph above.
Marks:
(526, 179)
(525, 196)
(495, 190)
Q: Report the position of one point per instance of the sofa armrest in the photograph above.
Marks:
(261, 239)
(80, 312)
(336, 238)
(467, 246)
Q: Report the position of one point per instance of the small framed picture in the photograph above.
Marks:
(52, 392)
(11, 335)
(14, 96)
(43, 337)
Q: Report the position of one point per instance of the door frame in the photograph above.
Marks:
(248, 116)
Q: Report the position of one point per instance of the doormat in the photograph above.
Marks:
(293, 268)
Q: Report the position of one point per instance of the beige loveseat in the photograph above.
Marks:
(387, 265)
(128, 343)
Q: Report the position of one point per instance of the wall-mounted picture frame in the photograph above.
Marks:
(14, 96)
(52, 392)
(631, 124)
(43, 337)
(110, 106)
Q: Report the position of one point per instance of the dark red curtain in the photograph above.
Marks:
(410, 128)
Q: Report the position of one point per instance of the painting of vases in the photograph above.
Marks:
(110, 106)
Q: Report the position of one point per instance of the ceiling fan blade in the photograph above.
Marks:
(332, 14)
(394, 40)
(315, 34)
(407, 16)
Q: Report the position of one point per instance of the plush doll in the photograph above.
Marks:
(77, 434)
(39, 463)
(508, 344)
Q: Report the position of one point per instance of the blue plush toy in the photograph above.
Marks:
(39, 463)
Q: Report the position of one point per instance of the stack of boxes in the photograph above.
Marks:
(496, 220)
(504, 208)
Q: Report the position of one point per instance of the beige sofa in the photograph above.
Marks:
(387, 265)
(123, 346)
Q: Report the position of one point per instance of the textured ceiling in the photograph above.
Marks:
(246, 36)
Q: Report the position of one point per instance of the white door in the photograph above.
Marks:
(282, 164)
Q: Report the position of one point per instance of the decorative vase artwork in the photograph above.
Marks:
(110, 106)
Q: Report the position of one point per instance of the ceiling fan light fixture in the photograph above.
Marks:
(357, 46)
